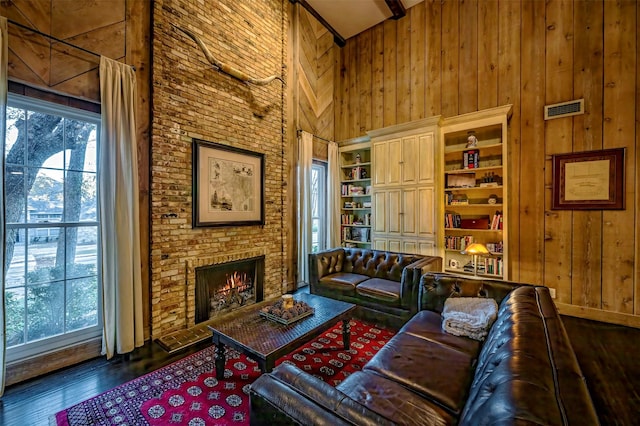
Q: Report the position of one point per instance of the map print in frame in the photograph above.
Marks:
(228, 185)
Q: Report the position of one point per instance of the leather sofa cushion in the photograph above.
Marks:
(344, 283)
(428, 325)
(392, 400)
(380, 290)
(436, 371)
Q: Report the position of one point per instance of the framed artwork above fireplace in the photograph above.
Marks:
(228, 185)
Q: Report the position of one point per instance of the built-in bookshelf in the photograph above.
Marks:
(474, 191)
(355, 181)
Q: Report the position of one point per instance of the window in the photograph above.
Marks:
(53, 286)
(318, 206)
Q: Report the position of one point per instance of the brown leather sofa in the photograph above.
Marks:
(379, 282)
(525, 372)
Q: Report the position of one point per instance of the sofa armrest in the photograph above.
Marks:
(410, 284)
(435, 288)
(324, 263)
(289, 395)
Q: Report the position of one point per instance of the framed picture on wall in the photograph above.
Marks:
(591, 180)
(228, 185)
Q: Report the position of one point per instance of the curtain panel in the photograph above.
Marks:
(119, 211)
(4, 53)
(305, 162)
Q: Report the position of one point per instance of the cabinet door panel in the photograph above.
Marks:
(410, 160)
(427, 248)
(394, 155)
(426, 159)
(379, 244)
(410, 247)
(426, 212)
(394, 206)
(380, 163)
(379, 212)
(408, 213)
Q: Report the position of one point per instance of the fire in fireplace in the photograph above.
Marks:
(221, 288)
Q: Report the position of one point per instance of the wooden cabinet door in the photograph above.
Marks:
(394, 169)
(394, 210)
(380, 160)
(379, 219)
(408, 214)
(387, 157)
(410, 160)
(379, 244)
(426, 160)
(425, 212)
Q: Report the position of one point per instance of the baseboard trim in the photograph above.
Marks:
(599, 315)
(22, 370)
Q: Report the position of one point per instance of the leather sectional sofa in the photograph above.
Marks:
(525, 372)
(379, 282)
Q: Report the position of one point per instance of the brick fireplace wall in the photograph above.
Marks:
(192, 100)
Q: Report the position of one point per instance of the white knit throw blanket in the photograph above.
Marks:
(469, 316)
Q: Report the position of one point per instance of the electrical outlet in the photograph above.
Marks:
(552, 291)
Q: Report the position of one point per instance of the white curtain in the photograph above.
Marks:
(305, 152)
(4, 52)
(118, 168)
(333, 196)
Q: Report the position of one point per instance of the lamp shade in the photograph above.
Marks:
(476, 248)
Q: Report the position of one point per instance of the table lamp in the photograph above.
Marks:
(475, 249)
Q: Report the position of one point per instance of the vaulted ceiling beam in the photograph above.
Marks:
(397, 8)
(337, 38)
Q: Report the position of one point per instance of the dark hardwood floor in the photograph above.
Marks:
(608, 355)
(32, 402)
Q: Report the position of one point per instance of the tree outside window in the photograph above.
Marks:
(52, 282)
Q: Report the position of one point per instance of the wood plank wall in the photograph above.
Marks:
(452, 57)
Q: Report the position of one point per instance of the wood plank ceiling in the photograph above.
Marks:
(98, 26)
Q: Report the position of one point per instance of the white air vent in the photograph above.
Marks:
(564, 109)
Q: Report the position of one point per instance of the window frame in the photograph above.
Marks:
(320, 166)
(61, 341)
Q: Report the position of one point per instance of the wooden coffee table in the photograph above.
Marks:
(265, 341)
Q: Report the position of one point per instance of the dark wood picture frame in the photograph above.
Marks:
(589, 180)
(228, 185)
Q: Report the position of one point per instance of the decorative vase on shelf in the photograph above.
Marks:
(472, 141)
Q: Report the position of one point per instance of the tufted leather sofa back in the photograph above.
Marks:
(377, 264)
(436, 288)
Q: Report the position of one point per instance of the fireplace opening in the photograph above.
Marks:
(224, 287)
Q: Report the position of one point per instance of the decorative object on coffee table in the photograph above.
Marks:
(281, 312)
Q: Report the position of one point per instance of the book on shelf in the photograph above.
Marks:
(470, 159)
(495, 248)
(457, 242)
(493, 266)
(347, 219)
(452, 220)
(496, 221)
(358, 172)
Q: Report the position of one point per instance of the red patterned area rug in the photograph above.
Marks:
(188, 393)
